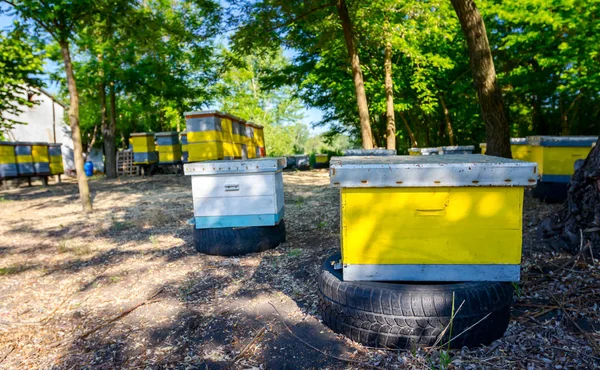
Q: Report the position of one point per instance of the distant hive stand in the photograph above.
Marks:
(425, 218)
(237, 193)
(321, 161)
(424, 151)
(144, 150)
(8, 161)
(56, 159)
(168, 147)
(213, 135)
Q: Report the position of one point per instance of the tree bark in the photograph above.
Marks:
(357, 76)
(84, 191)
(580, 216)
(497, 128)
(447, 118)
(389, 90)
(110, 145)
(413, 140)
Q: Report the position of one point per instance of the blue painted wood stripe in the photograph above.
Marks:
(555, 178)
(167, 141)
(214, 222)
(431, 273)
(23, 149)
(573, 144)
(26, 168)
(8, 170)
(145, 157)
(42, 168)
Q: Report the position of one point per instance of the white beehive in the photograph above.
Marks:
(237, 193)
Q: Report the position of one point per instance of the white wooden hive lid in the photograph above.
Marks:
(580, 141)
(430, 171)
(237, 166)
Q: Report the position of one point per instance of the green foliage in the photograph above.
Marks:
(243, 93)
(545, 53)
(20, 63)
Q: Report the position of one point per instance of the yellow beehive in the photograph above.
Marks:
(142, 142)
(56, 160)
(427, 217)
(518, 146)
(205, 151)
(8, 160)
(39, 152)
(556, 155)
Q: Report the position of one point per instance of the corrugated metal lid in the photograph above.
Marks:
(562, 140)
(431, 171)
(372, 152)
(234, 166)
(425, 151)
(141, 134)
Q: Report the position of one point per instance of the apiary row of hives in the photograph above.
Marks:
(23, 159)
(210, 135)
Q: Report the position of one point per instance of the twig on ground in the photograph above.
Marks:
(318, 350)
(256, 337)
(122, 314)
(7, 354)
(591, 340)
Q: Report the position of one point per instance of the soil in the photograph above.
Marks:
(124, 288)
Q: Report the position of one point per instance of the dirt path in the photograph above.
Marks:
(123, 288)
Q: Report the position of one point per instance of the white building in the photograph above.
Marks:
(45, 122)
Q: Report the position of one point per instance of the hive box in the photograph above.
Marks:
(237, 193)
(518, 146)
(431, 218)
(556, 155)
(321, 161)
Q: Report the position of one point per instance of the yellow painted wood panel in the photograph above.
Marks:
(142, 141)
(24, 159)
(56, 168)
(321, 158)
(169, 148)
(7, 150)
(463, 225)
(40, 153)
(197, 137)
(205, 151)
(228, 149)
(520, 152)
(561, 160)
(8, 159)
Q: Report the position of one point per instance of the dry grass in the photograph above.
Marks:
(123, 288)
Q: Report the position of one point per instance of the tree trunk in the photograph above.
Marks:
(361, 96)
(447, 118)
(580, 216)
(497, 128)
(413, 140)
(389, 90)
(84, 191)
(110, 145)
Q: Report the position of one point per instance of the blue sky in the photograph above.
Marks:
(311, 115)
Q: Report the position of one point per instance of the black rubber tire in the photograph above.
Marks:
(397, 315)
(235, 241)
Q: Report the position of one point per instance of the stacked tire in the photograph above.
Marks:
(399, 315)
(235, 241)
